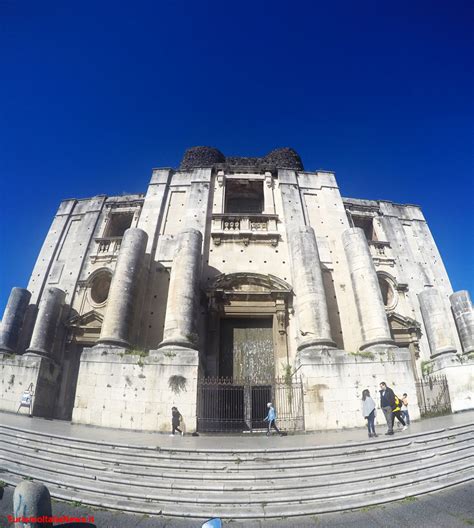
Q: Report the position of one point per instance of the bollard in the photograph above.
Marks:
(32, 499)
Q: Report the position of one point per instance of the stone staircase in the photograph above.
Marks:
(238, 484)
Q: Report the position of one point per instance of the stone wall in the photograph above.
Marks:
(129, 391)
(334, 380)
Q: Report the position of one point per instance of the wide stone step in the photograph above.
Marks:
(62, 464)
(295, 481)
(220, 454)
(146, 459)
(264, 510)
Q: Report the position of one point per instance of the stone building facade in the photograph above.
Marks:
(249, 269)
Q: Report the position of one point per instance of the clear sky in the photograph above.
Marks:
(95, 94)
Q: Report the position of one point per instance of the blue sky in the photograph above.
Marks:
(95, 94)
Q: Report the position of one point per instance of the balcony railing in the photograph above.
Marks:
(245, 227)
(381, 252)
(107, 248)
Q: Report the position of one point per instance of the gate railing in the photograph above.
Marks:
(433, 395)
(236, 405)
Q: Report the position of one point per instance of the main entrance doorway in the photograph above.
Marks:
(246, 349)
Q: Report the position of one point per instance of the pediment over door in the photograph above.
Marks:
(241, 284)
(85, 328)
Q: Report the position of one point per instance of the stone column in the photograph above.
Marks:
(436, 317)
(365, 283)
(44, 331)
(119, 313)
(13, 318)
(183, 296)
(311, 306)
(463, 315)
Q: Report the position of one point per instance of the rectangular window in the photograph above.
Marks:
(244, 197)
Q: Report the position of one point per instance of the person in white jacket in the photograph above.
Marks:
(369, 412)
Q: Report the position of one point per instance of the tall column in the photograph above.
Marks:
(13, 318)
(464, 317)
(44, 331)
(311, 306)
(183, 296)
(436, 318)
(368, 298)
(119, 313)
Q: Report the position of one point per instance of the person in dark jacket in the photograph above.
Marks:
(389, 407)
(175, 421)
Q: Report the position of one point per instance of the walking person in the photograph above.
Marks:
(397, 413)
(389, 406)
(176, 419)
(271, 419)
(406, 416)
(369, 412)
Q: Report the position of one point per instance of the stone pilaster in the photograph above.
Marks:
(13, 318)
(368, 298)
(436, 317)
(311, 306)
(49, 312)
(463, 315)
(183, 296)
(121, 302)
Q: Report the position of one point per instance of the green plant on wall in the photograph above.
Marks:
(364, 354)
(177, 383)
(288, 380)
(426, 368)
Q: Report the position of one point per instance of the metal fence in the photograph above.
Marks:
(227, 405)
(433, 395)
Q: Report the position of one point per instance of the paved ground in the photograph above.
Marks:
(245, 441)
(453, 508)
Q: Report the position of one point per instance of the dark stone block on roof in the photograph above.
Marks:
(281, 158)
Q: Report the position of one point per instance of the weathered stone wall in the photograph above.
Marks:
(123, 390)
(334, 381)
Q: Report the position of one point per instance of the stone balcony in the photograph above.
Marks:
(107, 249)
(381, 252)
(245, 228)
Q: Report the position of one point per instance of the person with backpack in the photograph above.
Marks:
(391, 406)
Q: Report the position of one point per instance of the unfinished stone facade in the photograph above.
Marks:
(245, 268)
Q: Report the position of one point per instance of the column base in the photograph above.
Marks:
(386, 341)
(31, 352)
(110, 341)
(316, 344)
(448, 359)
(445, 351)
(178, 341)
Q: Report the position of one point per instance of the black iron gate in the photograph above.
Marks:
(227, 405)
(433, 395)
